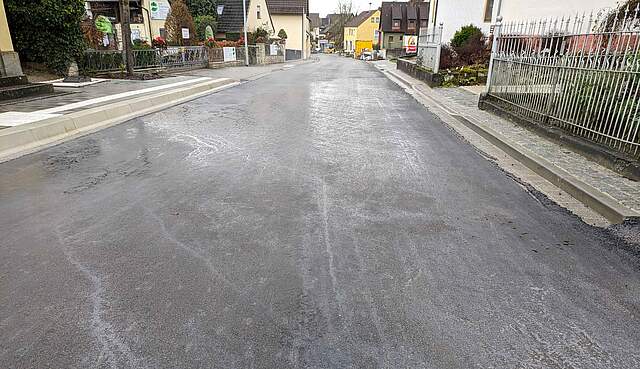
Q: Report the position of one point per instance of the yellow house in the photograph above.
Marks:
(9, 60)
(360, 33)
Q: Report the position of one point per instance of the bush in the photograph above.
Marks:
(47, 31)
(199, 8)
(282, 34)
(179, 18)
(469, 46)
(201, 24)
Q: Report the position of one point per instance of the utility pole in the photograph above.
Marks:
(125, 24)
(246, 41)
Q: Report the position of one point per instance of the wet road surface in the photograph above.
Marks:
(315, 218)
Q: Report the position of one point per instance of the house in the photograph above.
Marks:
(316, 22)
(147, 16)
(400, 19)
(231, 18)
(483, 13)
(13, 83)
(9, 60)
(361, 32)
(292, 16)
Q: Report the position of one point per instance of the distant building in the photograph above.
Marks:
(293, 17)
(316, 22)
(400, 19)
(361, 32)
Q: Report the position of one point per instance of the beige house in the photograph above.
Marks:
(293, 17)
(9, 60)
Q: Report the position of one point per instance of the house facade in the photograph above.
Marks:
(361, 32)
(231, 18)
(401, 19)
(9, 60)
(483, 13)
(292, 16)
(147, 16)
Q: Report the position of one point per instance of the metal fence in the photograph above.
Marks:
(429, 47)
(581, 74)
(98, 61)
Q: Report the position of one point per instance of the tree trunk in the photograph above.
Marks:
(125, 22)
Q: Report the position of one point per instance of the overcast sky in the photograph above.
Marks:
(325, 7)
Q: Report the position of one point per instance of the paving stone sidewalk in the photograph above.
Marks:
(465, 102)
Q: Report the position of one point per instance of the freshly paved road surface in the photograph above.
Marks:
(315, 218)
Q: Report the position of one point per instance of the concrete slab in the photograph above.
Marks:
(14, 118)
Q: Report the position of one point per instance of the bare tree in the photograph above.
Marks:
(344, 13)
(125, 22)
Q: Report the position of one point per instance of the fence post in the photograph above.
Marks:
(436, 63)
(494, 51)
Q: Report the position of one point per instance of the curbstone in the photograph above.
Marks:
(31, 137)
(581, 191)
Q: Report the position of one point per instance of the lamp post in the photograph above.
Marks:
(246, 41)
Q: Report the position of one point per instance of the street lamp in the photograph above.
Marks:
(246, 41)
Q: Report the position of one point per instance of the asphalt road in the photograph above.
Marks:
(315, 218)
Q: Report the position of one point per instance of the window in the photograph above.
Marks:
(258, 12)
(220, 9)
(390, 38)
(412, 25)
(488, 10)
(424, 23)
(396, 25)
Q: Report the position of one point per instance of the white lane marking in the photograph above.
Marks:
(17, 118)
(102, 99)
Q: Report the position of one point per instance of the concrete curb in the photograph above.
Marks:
(32, 137)
(581, 191)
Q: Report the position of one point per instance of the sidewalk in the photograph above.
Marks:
(464, 102)
(69, 99)
(28, 125)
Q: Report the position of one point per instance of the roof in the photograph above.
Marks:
(403, 11)
(314, 18)
(232, 17)
(288, 6)
(360, 18)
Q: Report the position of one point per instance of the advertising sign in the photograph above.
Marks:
(410, 44)
(159, 9)
(229, 54)
(273, 50)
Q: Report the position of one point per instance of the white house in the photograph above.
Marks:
(483, 13)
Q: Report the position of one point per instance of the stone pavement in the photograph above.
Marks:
(465, 102)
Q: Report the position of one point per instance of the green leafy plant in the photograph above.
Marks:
(199, 8)
(282, 34)
(201, 23)
(47, 31)
(469, 47)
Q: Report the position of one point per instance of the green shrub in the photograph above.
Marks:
(282, 34)
(199, 8)
(201, 23)
(47, 31)
(465, 34)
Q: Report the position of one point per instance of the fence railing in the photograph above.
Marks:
(98, 61)
(581, 74)
(429, 47)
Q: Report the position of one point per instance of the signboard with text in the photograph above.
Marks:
(159, 9)
(410, 44)
(229, 54)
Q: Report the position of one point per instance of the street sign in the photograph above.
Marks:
(159, 9)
